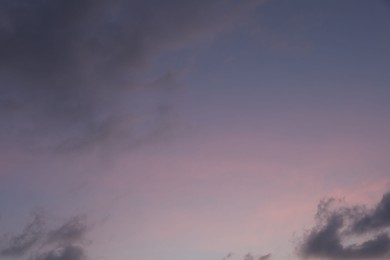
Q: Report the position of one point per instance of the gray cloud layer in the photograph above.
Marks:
(68, 68)
(334, 225)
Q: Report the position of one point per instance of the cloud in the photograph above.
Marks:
(338, 225)
(265, 257)
(229, 255)
(71, 70)
(63, 253)
(66, 242)
(71, 232)
(376, 219)
(249, 256)
(18, 245)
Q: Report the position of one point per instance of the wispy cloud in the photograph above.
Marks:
(69, 69)
(19, 245)
(265, 257)
(250, 256)
(66, 242)
(72, 231)
(69, 252)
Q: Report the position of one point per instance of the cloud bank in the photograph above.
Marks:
(336, 225)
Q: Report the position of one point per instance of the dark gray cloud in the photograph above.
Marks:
(69, 68)
(19, 245)
(66, 242)
(375, 219)
(336, 225)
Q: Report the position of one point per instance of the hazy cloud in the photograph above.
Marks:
(71, 232)
(265, 257)
(19, 245)
(70, 70)
(250, 256)
(63, 253)
(336, 225)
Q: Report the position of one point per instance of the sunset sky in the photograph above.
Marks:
(194, 130)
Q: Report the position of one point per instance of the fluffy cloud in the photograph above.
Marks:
(338, 225)
(376, 219)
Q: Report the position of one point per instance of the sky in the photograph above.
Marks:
(197, 130)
